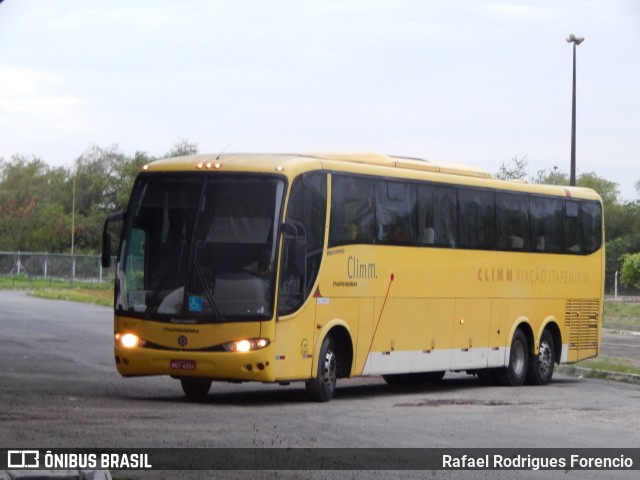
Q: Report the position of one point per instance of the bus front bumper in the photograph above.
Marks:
(233, 366)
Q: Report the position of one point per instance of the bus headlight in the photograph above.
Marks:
(129, 340)
(246, 345)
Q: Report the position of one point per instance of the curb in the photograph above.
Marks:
(601, 374)
(616, 331)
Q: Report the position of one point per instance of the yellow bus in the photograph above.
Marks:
(282, 268)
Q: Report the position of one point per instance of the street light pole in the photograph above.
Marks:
(73, 211)
(576, 41)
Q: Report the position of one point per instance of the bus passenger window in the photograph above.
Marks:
(512, 221)
(446, 220)
(516, 241)
(352, 210)
(476, 217)
(426, 215)
(428, 236)
(437, 216)
(591, 222)
(546, 221)
(395, 212)
(572, 227)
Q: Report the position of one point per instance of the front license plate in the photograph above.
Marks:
(182, 365)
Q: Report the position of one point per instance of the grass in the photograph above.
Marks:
(621, 316)
(97, 296)
(607, 364)
(77, 291)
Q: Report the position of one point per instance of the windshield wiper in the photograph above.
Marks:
(208, 291)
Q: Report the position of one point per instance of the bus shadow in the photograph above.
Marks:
(350, 389)
(382, 389)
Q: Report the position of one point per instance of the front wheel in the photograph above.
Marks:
(516, 372)
(195, 388)
(541, 365)
(322, 388)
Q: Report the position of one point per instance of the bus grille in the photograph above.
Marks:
(582, 316)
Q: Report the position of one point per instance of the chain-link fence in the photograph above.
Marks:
(55, 267)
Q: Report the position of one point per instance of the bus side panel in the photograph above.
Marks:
(471, 334)
(294, 341)
(411, 336)
(437, 315)
(365, 332)
(497, 334)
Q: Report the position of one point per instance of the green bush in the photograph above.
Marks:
(630, 271)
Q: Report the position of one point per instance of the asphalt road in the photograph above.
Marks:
(59, 388)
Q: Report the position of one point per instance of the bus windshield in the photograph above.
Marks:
(200, 249)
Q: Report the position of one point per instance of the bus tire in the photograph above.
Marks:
(323, 386)
(515, 373)
(195, 388)
(541, 365)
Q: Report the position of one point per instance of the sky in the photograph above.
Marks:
(470, 81)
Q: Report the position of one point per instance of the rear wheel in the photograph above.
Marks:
(195, 388)
(516, 372)
(322, 388)
(541, 365)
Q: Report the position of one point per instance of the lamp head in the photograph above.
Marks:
(574, 39)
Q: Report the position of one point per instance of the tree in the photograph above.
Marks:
(51, 229)
(551, 177)
(25, 191)
(630, 271)
(97, 182)
(97, 178)
(515, 169)
(38, 204)
(182, 147)
(127, 173)
(608, 190)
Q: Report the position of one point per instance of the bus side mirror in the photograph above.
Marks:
(106, 239)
